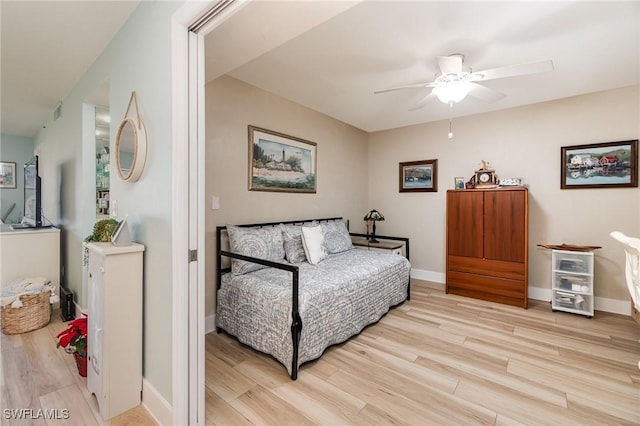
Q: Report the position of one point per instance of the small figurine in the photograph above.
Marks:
(485, 165)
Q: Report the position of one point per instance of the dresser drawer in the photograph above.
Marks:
(493, 268)
(510, 292)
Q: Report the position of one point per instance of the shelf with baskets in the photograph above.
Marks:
(572, 282)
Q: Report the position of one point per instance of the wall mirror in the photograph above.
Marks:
(131, 144)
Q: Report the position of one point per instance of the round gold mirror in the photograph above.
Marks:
(131, 149)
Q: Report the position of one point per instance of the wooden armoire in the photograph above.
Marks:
(487, 238)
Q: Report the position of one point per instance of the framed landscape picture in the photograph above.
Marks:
(7, 175)
(279, 162)
(419, 176)
(600, 165)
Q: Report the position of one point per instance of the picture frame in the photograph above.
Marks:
(280, 162)
(418, 176)
(599, 165)
(8, 175)
(458, 183)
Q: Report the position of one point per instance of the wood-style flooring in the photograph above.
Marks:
(440, 359)
(39, 382)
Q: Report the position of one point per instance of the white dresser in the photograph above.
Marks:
(114, 372)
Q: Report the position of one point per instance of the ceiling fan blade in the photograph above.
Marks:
(422, 101)
(450, 64)
(408, 86)
(514, 70)
(484, 93)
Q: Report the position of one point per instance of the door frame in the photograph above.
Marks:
(190, 24)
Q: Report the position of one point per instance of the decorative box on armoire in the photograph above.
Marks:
(487, 244)
(114, 372)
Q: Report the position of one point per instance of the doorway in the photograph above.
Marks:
(231, 33)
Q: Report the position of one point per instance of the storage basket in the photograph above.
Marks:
(34, 313)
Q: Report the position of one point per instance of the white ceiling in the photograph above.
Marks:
(351, 48)
(335, 67)
(46, 47)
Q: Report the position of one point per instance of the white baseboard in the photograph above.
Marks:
(615, 306)
(156, 405)
(209, 324)
(421, 274)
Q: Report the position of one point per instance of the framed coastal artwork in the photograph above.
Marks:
(419, 176)
(281, 163)
(7, 175)
(600, 165)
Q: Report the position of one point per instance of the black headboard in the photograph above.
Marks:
(222, 228)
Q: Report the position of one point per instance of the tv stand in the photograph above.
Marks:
(30, 252)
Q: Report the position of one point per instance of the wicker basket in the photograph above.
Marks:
(34, 314)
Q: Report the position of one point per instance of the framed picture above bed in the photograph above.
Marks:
(419, 176)
(281, 163)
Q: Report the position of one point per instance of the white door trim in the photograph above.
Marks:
(188, 212)
(179, 224)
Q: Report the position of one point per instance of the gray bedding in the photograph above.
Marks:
(337, 299)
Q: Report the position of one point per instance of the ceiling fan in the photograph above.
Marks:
(453, 83)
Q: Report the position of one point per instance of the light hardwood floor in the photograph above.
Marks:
(443, 360)
(38, 376)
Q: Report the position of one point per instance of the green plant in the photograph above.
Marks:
(102, 231)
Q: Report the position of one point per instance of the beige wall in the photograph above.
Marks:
(231, 106)
(359, 171)
(519, 142)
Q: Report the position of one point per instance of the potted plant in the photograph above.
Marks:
(74, 341)
(102, 231)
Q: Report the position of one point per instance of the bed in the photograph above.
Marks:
(293, 309)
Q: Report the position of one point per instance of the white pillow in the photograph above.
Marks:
(313, 243)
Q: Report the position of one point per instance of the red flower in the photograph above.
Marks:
(74, 337)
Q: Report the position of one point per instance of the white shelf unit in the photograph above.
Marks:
(572, 282)
(114, 372)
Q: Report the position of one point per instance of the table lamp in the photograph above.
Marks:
(374, 216)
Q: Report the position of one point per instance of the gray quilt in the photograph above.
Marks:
(337, 299)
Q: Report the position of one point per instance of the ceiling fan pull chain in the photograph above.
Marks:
(450, 135)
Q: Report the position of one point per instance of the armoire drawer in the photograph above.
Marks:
(493, 268)
(510, 292)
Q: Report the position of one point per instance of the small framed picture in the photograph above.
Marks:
(458, 183)
(7, 174)
(419, 176)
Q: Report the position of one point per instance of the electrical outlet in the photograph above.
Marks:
(215, 202)
(114, 209)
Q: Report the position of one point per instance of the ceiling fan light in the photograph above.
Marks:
(452, 93)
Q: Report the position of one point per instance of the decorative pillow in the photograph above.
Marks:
(313, 243)
(263, 243)
(336, 237)
(293, 248)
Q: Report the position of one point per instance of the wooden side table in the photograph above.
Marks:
(388, 246)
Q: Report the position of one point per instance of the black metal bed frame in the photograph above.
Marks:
(296, 324)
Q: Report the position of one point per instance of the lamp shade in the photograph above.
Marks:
(451, 93)
(374, 215)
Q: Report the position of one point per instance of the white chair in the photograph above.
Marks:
(632, 267)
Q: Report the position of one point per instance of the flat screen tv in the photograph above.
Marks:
(32, 194)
